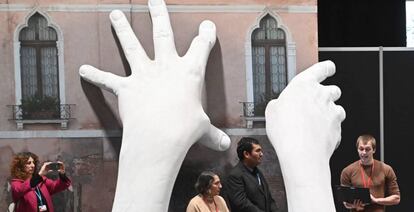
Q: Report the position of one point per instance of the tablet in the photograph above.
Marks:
(349, 194)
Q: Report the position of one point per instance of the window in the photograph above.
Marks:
(269, 63)
(39, 59)
(39, 69)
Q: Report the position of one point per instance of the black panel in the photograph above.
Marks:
(354, 23)
(398, 124)
(357, 75)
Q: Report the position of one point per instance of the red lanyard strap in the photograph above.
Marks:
(369, 181)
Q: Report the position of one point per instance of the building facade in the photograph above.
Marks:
(47, 109)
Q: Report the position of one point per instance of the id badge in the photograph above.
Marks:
(42, 208)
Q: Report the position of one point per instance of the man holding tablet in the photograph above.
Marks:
(373, 174)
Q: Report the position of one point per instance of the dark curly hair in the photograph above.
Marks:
(17, 166)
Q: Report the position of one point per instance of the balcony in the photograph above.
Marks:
(57, 115)
(253, 112)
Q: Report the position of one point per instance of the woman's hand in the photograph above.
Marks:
(61, 169)
(160, 107)
(304, 124)
(44, 170)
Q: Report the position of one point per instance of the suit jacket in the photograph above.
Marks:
(244, 193)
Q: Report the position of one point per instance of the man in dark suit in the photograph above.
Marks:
(247, 189)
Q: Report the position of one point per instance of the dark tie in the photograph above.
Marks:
(256, 173)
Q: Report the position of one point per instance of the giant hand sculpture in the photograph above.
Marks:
(304, 127)
(160, 108)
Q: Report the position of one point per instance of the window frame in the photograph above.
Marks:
(60, 56)
(38, 46)
(290, 50)
(267, 44)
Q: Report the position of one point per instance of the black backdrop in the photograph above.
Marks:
(399, 122)
(350, 23)
(372, 23)
(358, 77)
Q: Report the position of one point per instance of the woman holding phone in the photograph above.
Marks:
(31, 189)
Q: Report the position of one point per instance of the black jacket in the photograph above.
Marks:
(244, 194)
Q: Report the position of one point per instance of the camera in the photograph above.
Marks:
(54, 166)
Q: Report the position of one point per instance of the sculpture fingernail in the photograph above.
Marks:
(116, 15)
(155, 2)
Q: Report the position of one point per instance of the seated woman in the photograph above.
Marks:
(31, 190)
(208, 186)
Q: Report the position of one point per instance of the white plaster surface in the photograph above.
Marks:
(304, 127)
(160, 107)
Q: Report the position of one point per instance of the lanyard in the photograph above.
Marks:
(369, 181)
(39, 195)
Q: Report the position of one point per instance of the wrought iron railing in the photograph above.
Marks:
(61, 112)
(252, 109)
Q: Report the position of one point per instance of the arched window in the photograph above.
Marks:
(39, 59)
(269, 63)
(39, 68)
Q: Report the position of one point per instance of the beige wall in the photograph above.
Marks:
(88, 40)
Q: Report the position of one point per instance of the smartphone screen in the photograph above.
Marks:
(54, 166)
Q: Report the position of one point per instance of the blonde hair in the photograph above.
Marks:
(365, 139)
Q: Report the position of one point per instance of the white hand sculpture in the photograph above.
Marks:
(304, 127)
(160, 108)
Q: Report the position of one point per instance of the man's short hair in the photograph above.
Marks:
(365, 139)
(245, 144)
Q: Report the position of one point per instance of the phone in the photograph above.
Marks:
(54, 166)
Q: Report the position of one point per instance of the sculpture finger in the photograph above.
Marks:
(340, 113)
(339, 118)
(131, 46)
(164, 46)
(202, 44)
(215, 139)
(319, 71)
(332, 92)
(102, 79)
